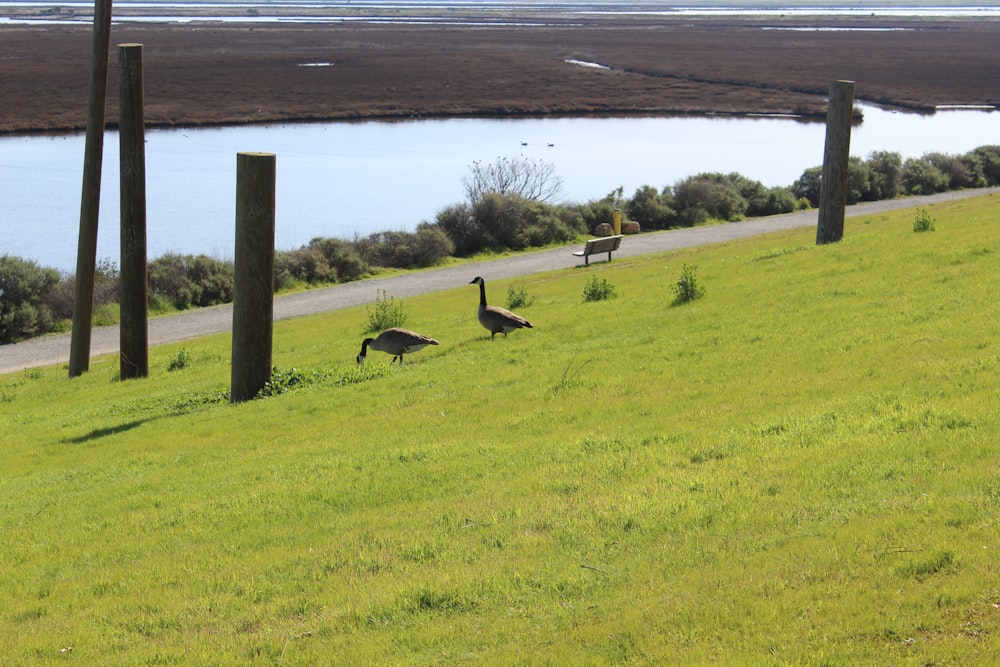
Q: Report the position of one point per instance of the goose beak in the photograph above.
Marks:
(361, 358)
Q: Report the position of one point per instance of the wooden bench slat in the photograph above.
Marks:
(606, 244)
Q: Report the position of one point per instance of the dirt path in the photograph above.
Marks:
(54, 349)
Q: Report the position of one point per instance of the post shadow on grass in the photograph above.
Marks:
(99, 433)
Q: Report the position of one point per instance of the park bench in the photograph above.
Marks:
(607, 244)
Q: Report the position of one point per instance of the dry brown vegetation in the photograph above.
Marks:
(239, 73)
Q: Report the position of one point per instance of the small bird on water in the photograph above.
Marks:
(397, 342)
(494, 318)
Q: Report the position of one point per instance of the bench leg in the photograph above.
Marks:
(586, 260)
(609, 255)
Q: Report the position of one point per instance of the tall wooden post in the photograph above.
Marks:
(836, 154)
(90, 199)
(253, 280)
(133, 332)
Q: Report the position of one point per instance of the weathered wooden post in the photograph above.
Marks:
(253, 280)
(833, 186)
(133, 332)
(90, 199)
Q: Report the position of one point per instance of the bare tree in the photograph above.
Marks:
(530, 179)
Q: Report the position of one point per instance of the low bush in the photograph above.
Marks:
(921, 177)
(687, 289)
(507, 222)
(923, 222)
(187, 280)
(23, 288)
(402, 250)
(181, 359)
(305, 265)
(652, 208)
(342, 257)
(598, 289)
(518, 298)
(384, 315)
(709, 196)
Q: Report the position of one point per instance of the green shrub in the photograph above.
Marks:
(988, 159)
(23, 288)
(342, 257)
(921, 177)
(687, 288)
(430, 245)
(546, 225)
(384, 315)
(653, 209)
(923, 222)
(597, 212)
(467, 236)
(307, 265)
(884, 168)
(502, 220)
(709, 196)
(778, 201)
(187, 280)
(859, 180)
(518, 298)
(404, 250)
(960, 172)
(508, 222)
(598, 289)
(808, 185)
(181, 359)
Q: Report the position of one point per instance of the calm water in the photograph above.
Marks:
(470, 12)
(347, 179)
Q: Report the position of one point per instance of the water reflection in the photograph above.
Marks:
(347, 179)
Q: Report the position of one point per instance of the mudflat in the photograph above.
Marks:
(205, 73)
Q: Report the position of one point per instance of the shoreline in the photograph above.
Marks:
(208, 74)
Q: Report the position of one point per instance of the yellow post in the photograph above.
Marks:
(618, 221)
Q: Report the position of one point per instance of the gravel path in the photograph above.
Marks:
(54, 349)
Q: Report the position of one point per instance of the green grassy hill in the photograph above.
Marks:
(801, 467)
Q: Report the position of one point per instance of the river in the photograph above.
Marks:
(355, 178)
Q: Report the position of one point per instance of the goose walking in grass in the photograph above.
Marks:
(397, 342)
(494, 318)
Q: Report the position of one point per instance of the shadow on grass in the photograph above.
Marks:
(104, 432)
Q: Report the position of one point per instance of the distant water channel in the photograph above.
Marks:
(349, 179)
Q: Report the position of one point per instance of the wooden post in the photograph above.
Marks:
(90, 199)
(617, 221)
(253, 280)
(133, 332)
(833, 186)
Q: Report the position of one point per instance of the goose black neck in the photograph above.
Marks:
(482, 293)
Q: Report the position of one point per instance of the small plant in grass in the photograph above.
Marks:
(182, 359)
(687, 288)
(598, 289)
(923, 222)
(286, 379)
(385, 314)
(518, 298)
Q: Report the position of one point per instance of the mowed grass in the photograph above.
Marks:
(801, 467)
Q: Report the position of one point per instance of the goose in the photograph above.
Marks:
(496, 319)
(397, 342)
